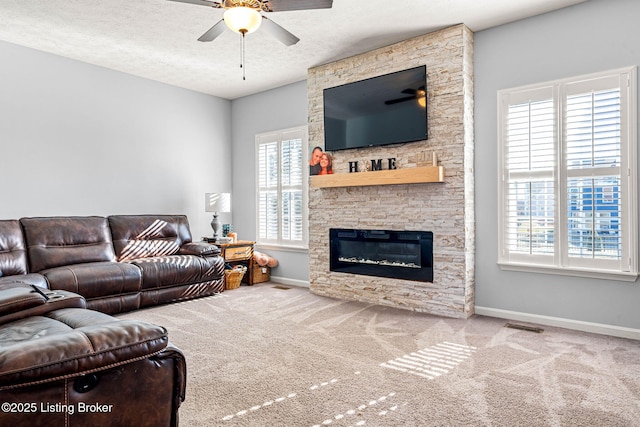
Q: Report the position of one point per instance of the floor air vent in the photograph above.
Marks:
(284, 288)
(524, 327)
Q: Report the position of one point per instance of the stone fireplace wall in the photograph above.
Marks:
(446, 209)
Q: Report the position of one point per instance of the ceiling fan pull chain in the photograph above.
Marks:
(242, 65)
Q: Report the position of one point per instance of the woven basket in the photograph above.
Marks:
(233, 278)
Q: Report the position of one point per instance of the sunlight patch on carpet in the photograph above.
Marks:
(257, 407)
(433, 361)
(277, 400)
(358, 410)
(323, 384)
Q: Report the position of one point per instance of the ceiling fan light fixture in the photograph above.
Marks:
(422, 98)
(242, 20)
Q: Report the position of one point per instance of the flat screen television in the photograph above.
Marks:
(382, 110)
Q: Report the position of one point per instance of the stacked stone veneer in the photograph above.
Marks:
(446, 209)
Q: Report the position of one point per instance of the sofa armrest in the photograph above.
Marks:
(20, 297)
(19, 300)
(174, 354)
(200, 249)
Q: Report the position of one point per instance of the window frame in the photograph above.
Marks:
(279, 136)
(559, 261)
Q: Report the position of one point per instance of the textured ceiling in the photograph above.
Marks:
(157, 39)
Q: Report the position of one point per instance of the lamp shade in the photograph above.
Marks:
(217, 202)
(242, 19)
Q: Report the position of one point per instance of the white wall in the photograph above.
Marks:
(594, 36)
(276, 109)
(78, 139)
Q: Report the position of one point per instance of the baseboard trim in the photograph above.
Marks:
(596, 328)
(290, 282)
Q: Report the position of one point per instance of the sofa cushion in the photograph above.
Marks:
(13, 255)
(95, 279)
(71, 341)
(144, 236)
(116, 303)
(55, 241)
(162, 271)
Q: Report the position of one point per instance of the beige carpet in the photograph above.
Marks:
(265, 356)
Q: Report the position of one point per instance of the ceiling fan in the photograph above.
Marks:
(419, 94)
(245, 16)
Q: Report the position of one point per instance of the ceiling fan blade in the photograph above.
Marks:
(284, 5)
(278, 32)
(395, 101)
(200, 2)
(213, 32)
(410, 91)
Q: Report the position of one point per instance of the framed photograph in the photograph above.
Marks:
(320, 161)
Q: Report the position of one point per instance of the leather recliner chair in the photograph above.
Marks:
(64, 365)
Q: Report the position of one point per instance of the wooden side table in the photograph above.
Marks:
(240, 252)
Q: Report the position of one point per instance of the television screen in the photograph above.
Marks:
(381, 110)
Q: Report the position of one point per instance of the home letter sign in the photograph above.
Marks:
(376, 165)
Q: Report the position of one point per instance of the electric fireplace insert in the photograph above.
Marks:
(383, 253)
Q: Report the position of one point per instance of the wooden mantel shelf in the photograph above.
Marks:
(384, 177)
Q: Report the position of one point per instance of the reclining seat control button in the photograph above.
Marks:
(85, 383)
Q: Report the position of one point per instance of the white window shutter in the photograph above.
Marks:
(281, 188)
(568, 176)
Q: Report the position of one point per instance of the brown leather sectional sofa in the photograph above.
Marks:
(63, 359)
(117, 263)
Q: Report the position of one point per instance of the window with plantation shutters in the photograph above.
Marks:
(567, 189)
(281, 195)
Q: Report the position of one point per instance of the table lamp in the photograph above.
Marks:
(217, 203)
